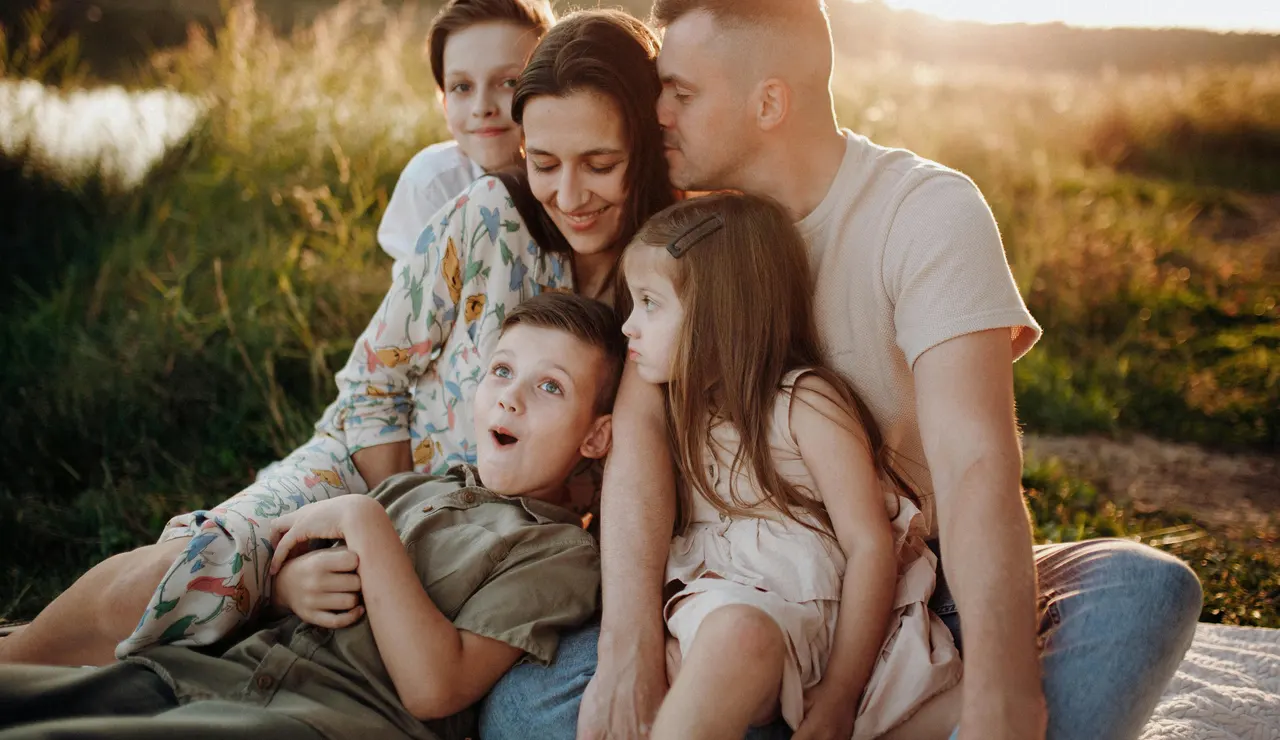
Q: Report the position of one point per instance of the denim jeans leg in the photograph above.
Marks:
(1116, 619)
(542, 701)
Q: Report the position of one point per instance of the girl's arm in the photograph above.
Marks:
(437, 669)
(836, 452)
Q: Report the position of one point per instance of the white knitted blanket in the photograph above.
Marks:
(1227, 688)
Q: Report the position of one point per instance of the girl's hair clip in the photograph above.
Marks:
(694, 234)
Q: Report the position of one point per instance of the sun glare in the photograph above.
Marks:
(1221, 15)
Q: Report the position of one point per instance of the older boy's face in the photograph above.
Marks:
(481, 66)
(535, 411)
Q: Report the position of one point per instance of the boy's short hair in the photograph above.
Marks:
(456, 15)
(806, 13)
(590, 321)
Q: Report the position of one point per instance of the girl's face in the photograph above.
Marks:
(577, 154)
(482, 63)
(653, 328)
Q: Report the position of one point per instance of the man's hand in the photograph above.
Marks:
(1005, 718)
(622, 699)
(321, 587)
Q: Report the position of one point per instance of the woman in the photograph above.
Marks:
(595, 172)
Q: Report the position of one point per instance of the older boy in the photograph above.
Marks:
(460, 581)
(477, 49)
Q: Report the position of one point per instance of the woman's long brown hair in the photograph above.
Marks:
(747, 294)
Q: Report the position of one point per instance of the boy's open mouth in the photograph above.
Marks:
(503, 437)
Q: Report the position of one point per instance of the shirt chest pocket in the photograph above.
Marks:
(454, 562)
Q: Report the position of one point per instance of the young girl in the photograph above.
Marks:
(799, 571)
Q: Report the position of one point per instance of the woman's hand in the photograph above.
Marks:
(829, 713)
(324, 520)
(321, 587)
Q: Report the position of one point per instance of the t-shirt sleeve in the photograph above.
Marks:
(538, 590)
(945, 269)
(412, 206)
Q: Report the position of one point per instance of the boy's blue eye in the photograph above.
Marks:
(501, 371)
(648, 303)
(510, 83)
(550, 386)
(460, 87)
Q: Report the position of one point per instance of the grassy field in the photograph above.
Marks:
(161, 342)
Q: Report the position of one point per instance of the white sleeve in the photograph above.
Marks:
(413, 203)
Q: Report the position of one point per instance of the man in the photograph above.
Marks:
(917, 306)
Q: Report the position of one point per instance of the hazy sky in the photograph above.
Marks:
(1225, 15)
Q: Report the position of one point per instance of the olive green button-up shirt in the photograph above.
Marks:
(510, 568)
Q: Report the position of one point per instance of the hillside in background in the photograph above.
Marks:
(116, 34)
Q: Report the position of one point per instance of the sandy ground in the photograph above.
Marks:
(1236, 492)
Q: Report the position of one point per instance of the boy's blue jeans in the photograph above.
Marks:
(1116, 618)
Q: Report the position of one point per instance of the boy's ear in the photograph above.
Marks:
(444, 107)
(599, 439)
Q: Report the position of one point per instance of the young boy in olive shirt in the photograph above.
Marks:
(460, 581)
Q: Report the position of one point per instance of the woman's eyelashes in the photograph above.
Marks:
(602, 169)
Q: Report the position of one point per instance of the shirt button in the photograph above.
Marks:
(469, 497)
(427, 508)
(265, 682)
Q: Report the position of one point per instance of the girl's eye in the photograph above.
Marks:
(460, 87)
(681, 96)
(648, 303)
(550, 386)
(501, 371)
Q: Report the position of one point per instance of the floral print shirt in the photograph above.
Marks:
(412, 374)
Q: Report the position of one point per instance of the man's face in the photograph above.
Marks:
(535, 411)
(707, 124)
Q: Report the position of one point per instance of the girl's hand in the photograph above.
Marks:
(321, 587)
(323, 520)
(829, 713)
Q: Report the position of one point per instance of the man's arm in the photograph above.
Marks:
(438, 669)
(964, 398)
(638, 508)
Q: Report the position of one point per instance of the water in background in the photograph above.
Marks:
(120, 133)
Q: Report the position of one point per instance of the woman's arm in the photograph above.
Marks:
(416, 318)
(836, 452)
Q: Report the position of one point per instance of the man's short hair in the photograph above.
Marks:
(590, 321)
(457, 15)
(805, 13)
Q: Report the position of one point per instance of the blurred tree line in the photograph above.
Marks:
(116, 34)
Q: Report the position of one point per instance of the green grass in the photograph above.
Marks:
(160, 343)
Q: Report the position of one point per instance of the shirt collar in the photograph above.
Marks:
(543, 512)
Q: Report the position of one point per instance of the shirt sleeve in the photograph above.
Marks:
(945, 269)
(411, 209)
(538, 590)
(415, 320)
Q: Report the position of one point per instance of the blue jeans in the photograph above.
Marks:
(1116, 618)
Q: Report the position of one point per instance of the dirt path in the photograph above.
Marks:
(1237, 492)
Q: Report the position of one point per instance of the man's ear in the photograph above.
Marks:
(773, 100)
(599, 439)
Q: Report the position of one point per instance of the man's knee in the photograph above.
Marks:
(136, 574)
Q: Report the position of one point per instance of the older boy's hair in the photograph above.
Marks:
(744, 12)
(456, 15)
(590, 321)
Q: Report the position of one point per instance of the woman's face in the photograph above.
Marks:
(577, 154)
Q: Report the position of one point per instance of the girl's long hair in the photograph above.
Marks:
(612, 53)
(747, 294)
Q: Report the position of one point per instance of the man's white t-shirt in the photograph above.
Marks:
(905, 256)
(435, 176)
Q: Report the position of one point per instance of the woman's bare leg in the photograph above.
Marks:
(83, 625)
(730, 679)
